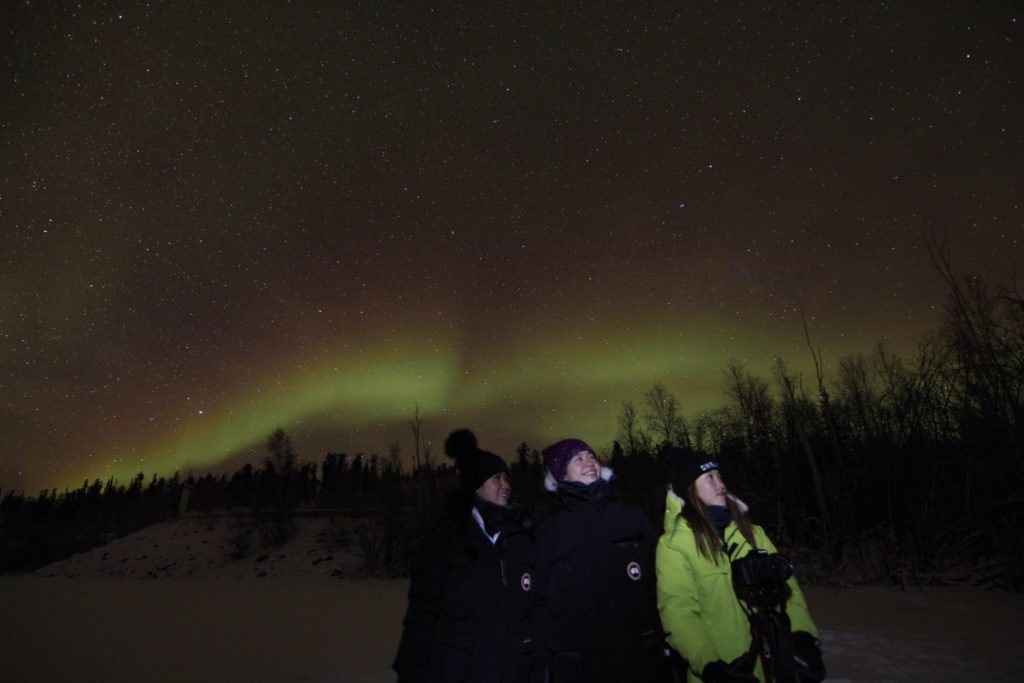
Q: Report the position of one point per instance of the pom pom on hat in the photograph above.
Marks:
(475, 465)
(459, 443)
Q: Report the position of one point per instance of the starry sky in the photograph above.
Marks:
(223, 217)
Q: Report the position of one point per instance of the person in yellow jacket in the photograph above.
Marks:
(706, 622)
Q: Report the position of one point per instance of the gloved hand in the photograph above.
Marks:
(720, 672)
(807, 656)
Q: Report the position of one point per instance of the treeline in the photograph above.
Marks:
(35, 531)
(396, 506)
(52, 526)
(901, 469)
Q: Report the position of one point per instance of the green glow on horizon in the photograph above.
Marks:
(383, 386)
(524, 387)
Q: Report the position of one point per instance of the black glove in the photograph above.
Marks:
(720, 672)
(807, 657)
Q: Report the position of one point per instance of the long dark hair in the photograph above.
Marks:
(696, 515)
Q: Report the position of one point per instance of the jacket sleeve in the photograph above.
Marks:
(413, 661)
(796, 606)
(680, 608)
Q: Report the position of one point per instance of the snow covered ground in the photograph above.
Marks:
(936, 634)
(110, 615)
(325, 630)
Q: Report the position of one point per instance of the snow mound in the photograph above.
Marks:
(225, 547)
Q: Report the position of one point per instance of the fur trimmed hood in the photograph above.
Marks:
(551, 485)
(674, 504)
(674, 507)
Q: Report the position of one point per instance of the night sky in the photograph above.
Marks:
(220, 218)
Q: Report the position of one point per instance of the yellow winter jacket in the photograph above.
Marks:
(700, 612)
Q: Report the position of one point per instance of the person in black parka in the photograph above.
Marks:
(474, 584)
(601, 609)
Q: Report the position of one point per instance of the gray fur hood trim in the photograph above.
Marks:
(551, 485)
(739, 503)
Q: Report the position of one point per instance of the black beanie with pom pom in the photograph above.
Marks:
(475, 465)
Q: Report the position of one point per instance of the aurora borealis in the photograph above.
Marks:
(221, 218)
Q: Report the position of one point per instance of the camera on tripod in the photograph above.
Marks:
(759, 579)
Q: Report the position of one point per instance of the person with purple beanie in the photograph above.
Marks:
(600, 600)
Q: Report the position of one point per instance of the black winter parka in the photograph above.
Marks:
(601, 602)
(471, 603)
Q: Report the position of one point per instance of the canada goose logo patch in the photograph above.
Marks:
(526, 582)
(633, 571)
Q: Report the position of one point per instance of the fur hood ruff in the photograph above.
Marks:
(680, 503)
(551, 485)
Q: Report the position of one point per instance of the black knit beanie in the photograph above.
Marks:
(475, 465)
(687, 465)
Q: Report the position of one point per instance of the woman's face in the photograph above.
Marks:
(710, 488)
(496, 489)
(583, 468)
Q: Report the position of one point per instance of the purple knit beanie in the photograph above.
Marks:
(558, 455)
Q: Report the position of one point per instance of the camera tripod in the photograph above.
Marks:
(772, 641)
